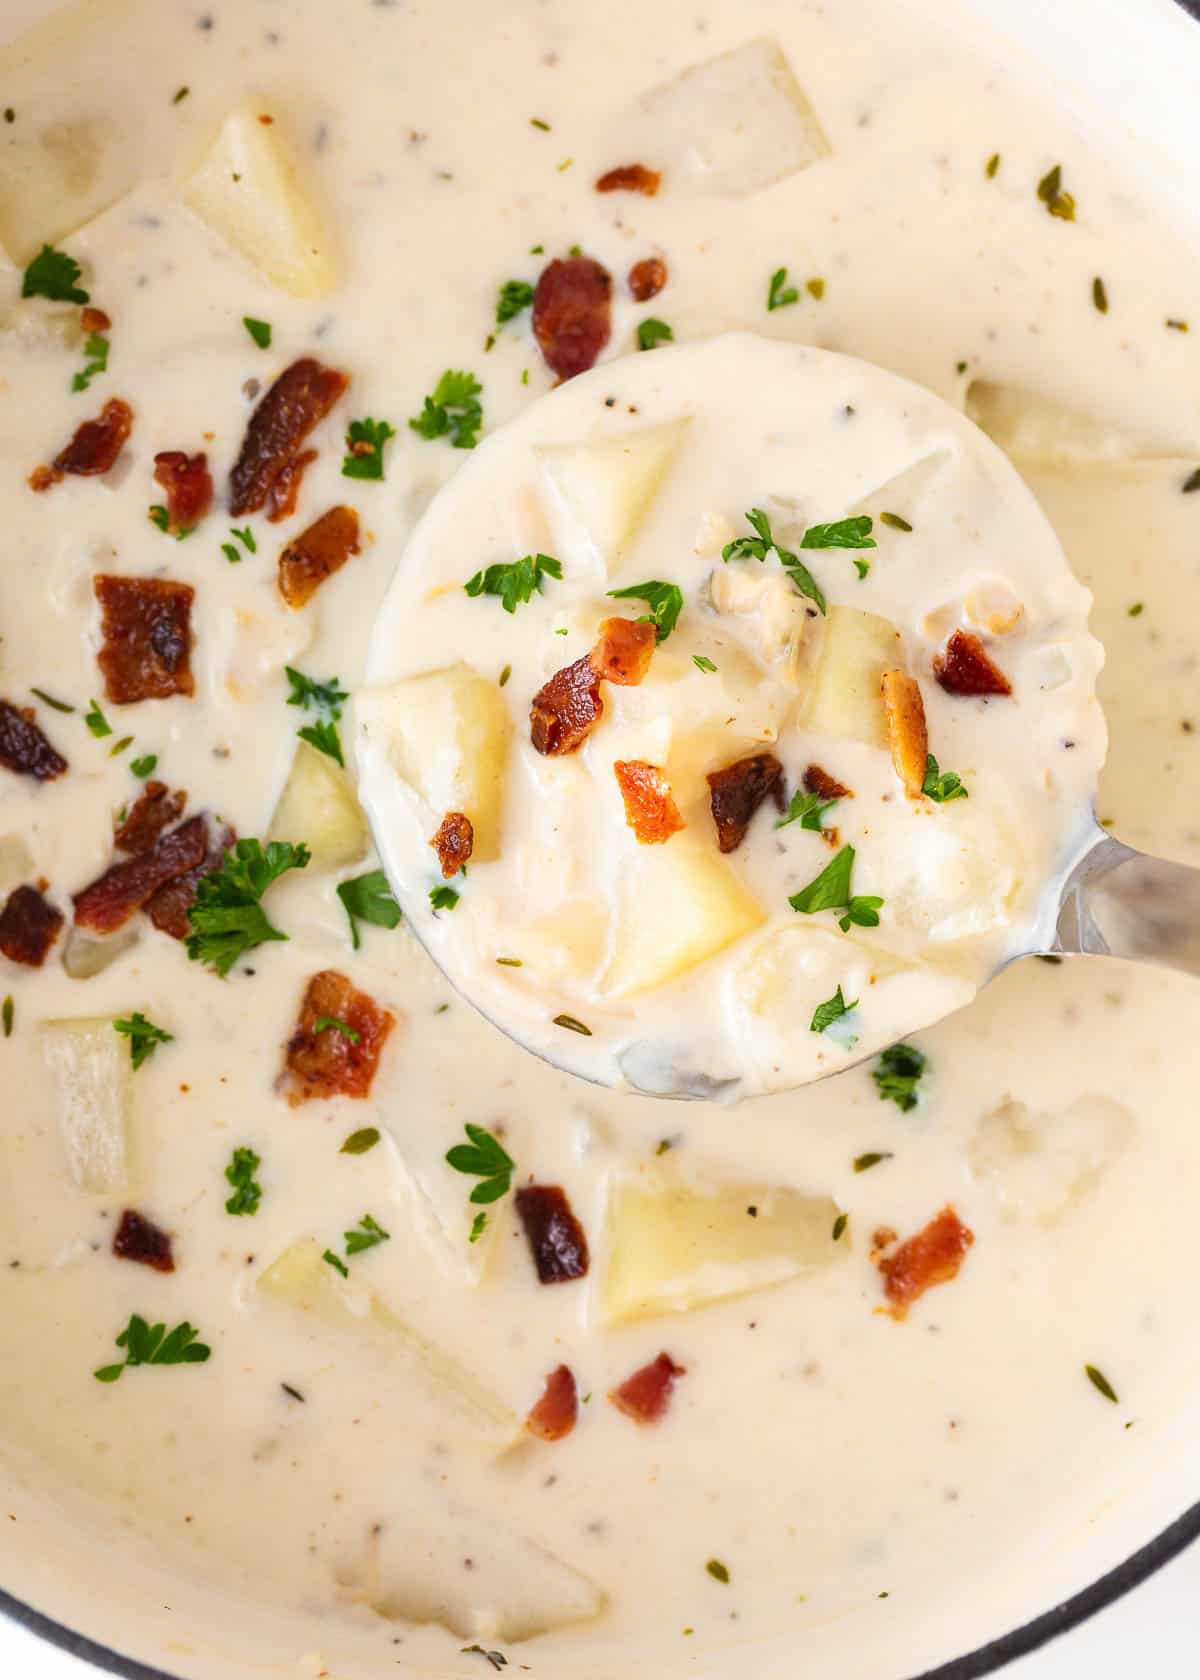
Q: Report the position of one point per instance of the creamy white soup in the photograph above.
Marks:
(317, 1289)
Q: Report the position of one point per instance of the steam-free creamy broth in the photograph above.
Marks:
(333, 1423)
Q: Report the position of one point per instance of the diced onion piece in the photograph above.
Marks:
(609, 485)
(674, 1246)
(92, 1078)
(317, 806)
(844, 699)
(247, 192)
(448, 734)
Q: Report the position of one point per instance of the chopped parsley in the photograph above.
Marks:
(245, 536)
(514, 581)
(478, 1227)
(331, 1259)
(864, 1163)
(95, 348)
(897, 1075)
(1050, 192)
(1101, 1383)
(180, 95)
(97, 722)
(8, 1012)
(364, 448)
(443, 897)
(652, 332)
(718, 1571)
(368, 898)
(665, 601)
(570, 1024)
(1135, 611)
(247, 1193)
(159, 516)
(941, 786)
(143, 767)
(844, 533)
(825, 1014)
(779, 293)
(118, 747)
(57, 705)
(839, 1226)
(762, 543)
(807, 809)
(326, 697)
(144, 1037)
(152, 1344)
(1100, 295)
(368, 1233)
(327, 1023)
(486, 1159)
(359, 1142)
(862, 567)
(515, 296)
(324, 736)
(991, 166)
(53, 274)
(703, 664)
(227, 916)
(452, 410)
(260, 331)
(831, 891)
(895, 521)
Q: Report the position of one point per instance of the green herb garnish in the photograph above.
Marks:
(515, 296)
(514, 581)
(95, 348)
(453, 410)
(839, 1225)
(144, 1037)
(762, 543)
(484, 1158)
(1100, 295)
(572, 1025)
(703, 664)
(815, 288)
(260, 331)
(940, 786)
(364, 448)
(327, 1023)
(57, 705)
(443, 897)
(991, 166)
(651, 332)
(895, 521)
(97, 722)
(227, 916)
(359, 1142)
(53, 274)
(779, 293)
(325, 738)
(143, 767)
(320, 697)
(807, 809)
(665, 601)
(151, 1344)
(831, 891)
(825, 1014)
(331, 1259)
(369, 1233)
(1192, 482)
(1057, 202)
(844, 533)
(718, 1571)
(247, 1193)
(368, 898)
(864, 1163)
(118, 747)
(897, 1075)
(245, 536)
(1100, 1382)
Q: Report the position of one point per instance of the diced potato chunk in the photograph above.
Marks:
(92, 1079)
(674, 1246)
(302, 1279)
(735, 123)
(679, 905)
(1042, 1163)
(448, 735)
(246, 191)
(609, 485)
(844, 698)
(514, 1590)
(1036, 429)
(318, 806)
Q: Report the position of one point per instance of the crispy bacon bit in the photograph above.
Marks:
(964, 667)
(738, 791)
(556, 1238)
(824, 785)
(933, 1256)
(623, 653)
(908, 735)
(168, 909)
(154, 810)
(454, 842)
(139, 1238)
(124, 888)
(555, 1413)
(316, 554)
(333, 1063)
(631, 177)
(646, 1395)
(188, 484)
(93, 449)
(28, 927)
(566, 710)
(298, 400)
(93, 320)
(146, 625)
(647, 278)
(23, 748)
(281, 502)
(650, 809)
(572, 314)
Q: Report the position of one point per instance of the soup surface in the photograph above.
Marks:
(874, 1324)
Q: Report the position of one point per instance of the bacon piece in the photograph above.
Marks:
(28, 927)
(646, 1395)
(94, 320)
(329, 1063)
(572, 314)
(168, 908)
(281, 501)
(146, 625)
(964, 667)
(138, 1238)
(555, 1413)
(93, 449)
(556, 1238)
(454, 842)
(631, 177)
(108, 902)
(738, 791)
(154, 810)
(188, 484)
(23, 748)
(565, 711)
(908, 734)
(647, 278)
(623, 653)
(298, 400)
(824, 785)
(650, 809)
(316, 554)
(932, 1256)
